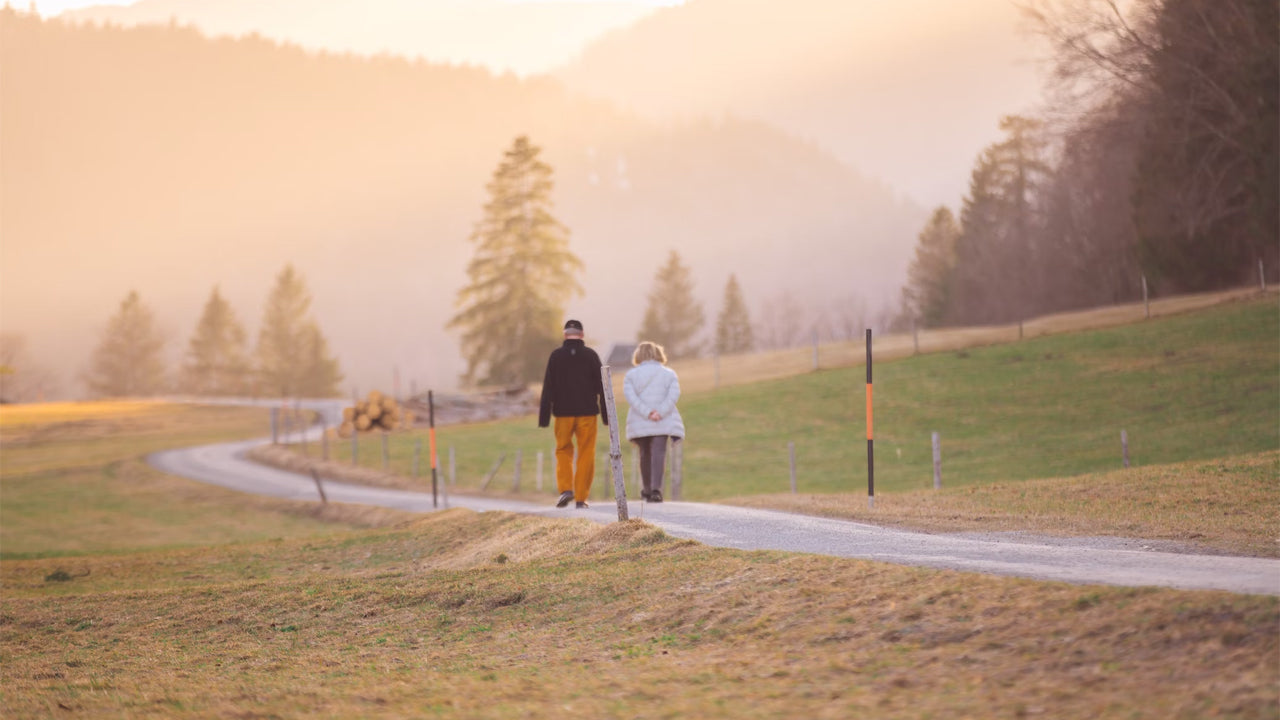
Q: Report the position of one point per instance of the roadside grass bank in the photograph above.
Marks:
(1226, 505)
(495, 615)
(1192, 386)
(72, 481)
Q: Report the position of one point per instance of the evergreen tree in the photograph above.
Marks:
(128, 360)
(217, 361)
(926, 294)
(520, 278)
(673, 318)
(293, 357)
(733, 326)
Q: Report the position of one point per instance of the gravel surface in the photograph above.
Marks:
(1105, 560)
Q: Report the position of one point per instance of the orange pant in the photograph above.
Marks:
(583, 428)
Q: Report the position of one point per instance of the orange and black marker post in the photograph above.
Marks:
(871, 450)
(431, 433)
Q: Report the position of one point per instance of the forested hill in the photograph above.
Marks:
(159, 160)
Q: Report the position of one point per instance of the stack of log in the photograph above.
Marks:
(377, 412)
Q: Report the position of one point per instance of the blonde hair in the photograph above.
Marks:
(648, 351)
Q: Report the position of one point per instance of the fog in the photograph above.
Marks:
(168, 161)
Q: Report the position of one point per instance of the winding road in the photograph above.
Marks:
(1110, 561)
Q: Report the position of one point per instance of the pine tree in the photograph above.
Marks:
(293, 357)
(129, 360)
(733, 326)
(673, 318)
(520, 278)
(926, 294)
(217, 361)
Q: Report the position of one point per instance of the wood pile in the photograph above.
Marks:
(476, 406)
(374, 413)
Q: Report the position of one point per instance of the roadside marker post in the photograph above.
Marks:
(431, 434)
(871, 450)
(615, 445)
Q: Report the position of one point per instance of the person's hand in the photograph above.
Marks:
(654, 416)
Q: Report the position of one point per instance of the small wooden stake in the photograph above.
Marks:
(1124, 447)
(791, 451)
(615, 445)
(937, 461)
(319, 486)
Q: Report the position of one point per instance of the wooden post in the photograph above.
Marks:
(355, 446)
(417, 455)
(275, 426)
(815, 350)
(431, 450)
(871, 450)
(677, 468)
(303, 436)
(453, 468)
(915, 338)
(539, 482)
(515, 481)
(615, 445)
(386, 450)
(937, 461)
(1019, 328)
(319, 487)
(1262, 277)
(492, 471)
(1124, 447)
(1145, 302)
(791, 450)
(324, 441)
(715, 360)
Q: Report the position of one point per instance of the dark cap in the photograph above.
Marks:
(573, 325)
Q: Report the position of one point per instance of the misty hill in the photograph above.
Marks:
(159, 160)
(525, 37)
(909, 91)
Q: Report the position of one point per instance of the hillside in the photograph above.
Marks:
(908, 91)
(159, 160)
(524, 37)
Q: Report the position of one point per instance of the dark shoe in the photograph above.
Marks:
(655, 496)
(565, 497)
(644, 494)
(582, 505)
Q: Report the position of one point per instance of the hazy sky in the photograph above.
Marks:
(48, 8)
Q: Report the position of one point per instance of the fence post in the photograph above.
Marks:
(715, 359)
(1124, 447)
(871, 456)
(615, 445)
(515, 482)
(319, 487)
(431, 448)
(417, 454)
(1146, 303)
(677, 470)
(386, 450)
(815, 350)
(355, 446)
(275, 426)
(1262, 277)
(539, 482)
(791, 451)
(915, 337)
(453, 468)
(937, 461)
(324, 441)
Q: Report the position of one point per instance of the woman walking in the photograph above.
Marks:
(652, 390)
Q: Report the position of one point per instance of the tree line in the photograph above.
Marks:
(1157, 162)
(291, 358)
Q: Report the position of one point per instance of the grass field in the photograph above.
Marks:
(1184, 387)
(501, 616)
(72, 481)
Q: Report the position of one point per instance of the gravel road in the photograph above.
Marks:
(1110, 561)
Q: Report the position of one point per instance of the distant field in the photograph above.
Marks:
(464, 615)
(1189, 386)
(72, 481)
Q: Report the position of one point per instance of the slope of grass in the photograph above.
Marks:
(1194, 386)
(72, 481)
(499, 616)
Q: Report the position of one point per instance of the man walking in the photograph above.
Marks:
(573, 392)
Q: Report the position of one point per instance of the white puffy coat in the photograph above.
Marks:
(652, 386)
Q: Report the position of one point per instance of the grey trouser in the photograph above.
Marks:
(653, 460)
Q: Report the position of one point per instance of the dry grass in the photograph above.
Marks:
(1225, 505)
(699, 374)
(498, 616)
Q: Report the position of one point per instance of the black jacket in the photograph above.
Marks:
(572, 386)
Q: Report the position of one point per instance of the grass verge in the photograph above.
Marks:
(501, 616)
